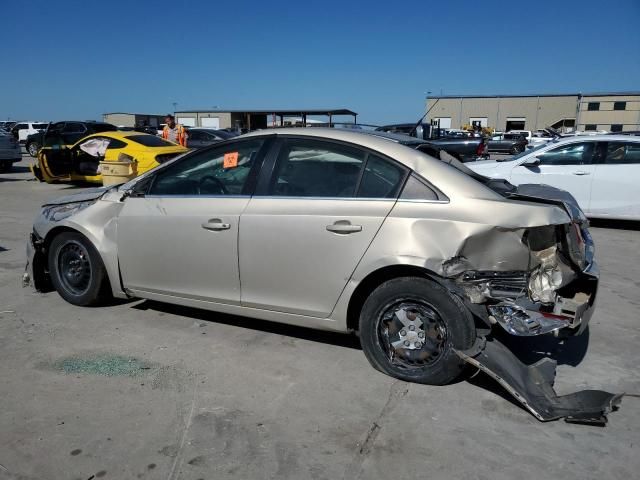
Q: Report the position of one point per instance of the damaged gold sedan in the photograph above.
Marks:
(343, 231)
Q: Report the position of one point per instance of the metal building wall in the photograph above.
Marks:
(539, 112)
(606, 116)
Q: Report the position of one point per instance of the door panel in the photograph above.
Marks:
(568, 167)
(169, 245)
(303, 234)
(181, 238)
(615, 184)
(291, 259)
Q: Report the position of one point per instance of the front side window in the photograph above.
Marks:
(623, 153)
(219, 171)
(593, 106)
(314, 168)
(574, 154)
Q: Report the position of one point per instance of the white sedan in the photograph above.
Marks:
(601, 171)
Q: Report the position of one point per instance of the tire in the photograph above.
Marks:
(515, 150)
(449, 325)
(77, 271)
(33, 148)
(5, 166)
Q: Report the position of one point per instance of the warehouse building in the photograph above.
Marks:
(259, 119)
(616, 111)
(133, 120)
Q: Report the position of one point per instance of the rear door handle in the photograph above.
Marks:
(581, 172)
(216, 224)
(344, 227)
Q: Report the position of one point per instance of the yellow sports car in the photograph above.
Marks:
(81, 162)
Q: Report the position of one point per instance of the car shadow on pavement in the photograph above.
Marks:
(565, 351)
(4, 179)
(615, 224)
(331, 338)
(19, 169)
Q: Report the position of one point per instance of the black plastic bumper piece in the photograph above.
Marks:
(532, 385)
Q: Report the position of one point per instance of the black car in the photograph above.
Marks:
(65, 133)
(203, 137)
(512, 143)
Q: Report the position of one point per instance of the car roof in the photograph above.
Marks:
(450, 180)
(601, 137)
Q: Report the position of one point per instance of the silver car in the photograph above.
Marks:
(337, 230)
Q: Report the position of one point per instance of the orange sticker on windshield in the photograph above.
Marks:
(230, 160)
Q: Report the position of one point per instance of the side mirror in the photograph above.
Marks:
(531, 162)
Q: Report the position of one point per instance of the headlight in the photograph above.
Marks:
(55, 213)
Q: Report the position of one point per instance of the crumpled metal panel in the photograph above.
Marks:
(532, 385)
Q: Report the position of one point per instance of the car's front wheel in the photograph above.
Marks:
(516, 150)
(33, 148)
(77, 271)
(409, 327)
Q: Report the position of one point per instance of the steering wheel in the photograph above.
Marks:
(218, 184)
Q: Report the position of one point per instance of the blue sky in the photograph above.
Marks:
(79, 59)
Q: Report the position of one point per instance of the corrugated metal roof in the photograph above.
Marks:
(286, 113)
(575, 94)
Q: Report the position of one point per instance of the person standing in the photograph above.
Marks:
(174, 132)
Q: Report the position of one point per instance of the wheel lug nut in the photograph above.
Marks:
(412, 327)
(403, 333)
(407, 343)
(418, 344)
(421, 334)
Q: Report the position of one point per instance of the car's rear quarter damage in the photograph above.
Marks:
(524, 265)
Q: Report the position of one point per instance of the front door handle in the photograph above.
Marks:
(344, 227)
(581, 172)
(216, 224)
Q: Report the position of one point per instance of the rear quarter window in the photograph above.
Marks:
(150, 141)
(416, 189)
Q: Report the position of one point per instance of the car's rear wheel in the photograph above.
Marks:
(409, 327)
(5, 166)
(33, 148)
(77, 271)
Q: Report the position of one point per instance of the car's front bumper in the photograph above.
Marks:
(35, 271)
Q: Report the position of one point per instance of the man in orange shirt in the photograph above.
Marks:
(174, 132)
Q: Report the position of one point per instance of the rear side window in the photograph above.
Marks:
(381, 179)
(315, 168)
(416, 189)
(150, 141)
(40, 126)
(623, 153)
(574, 154)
